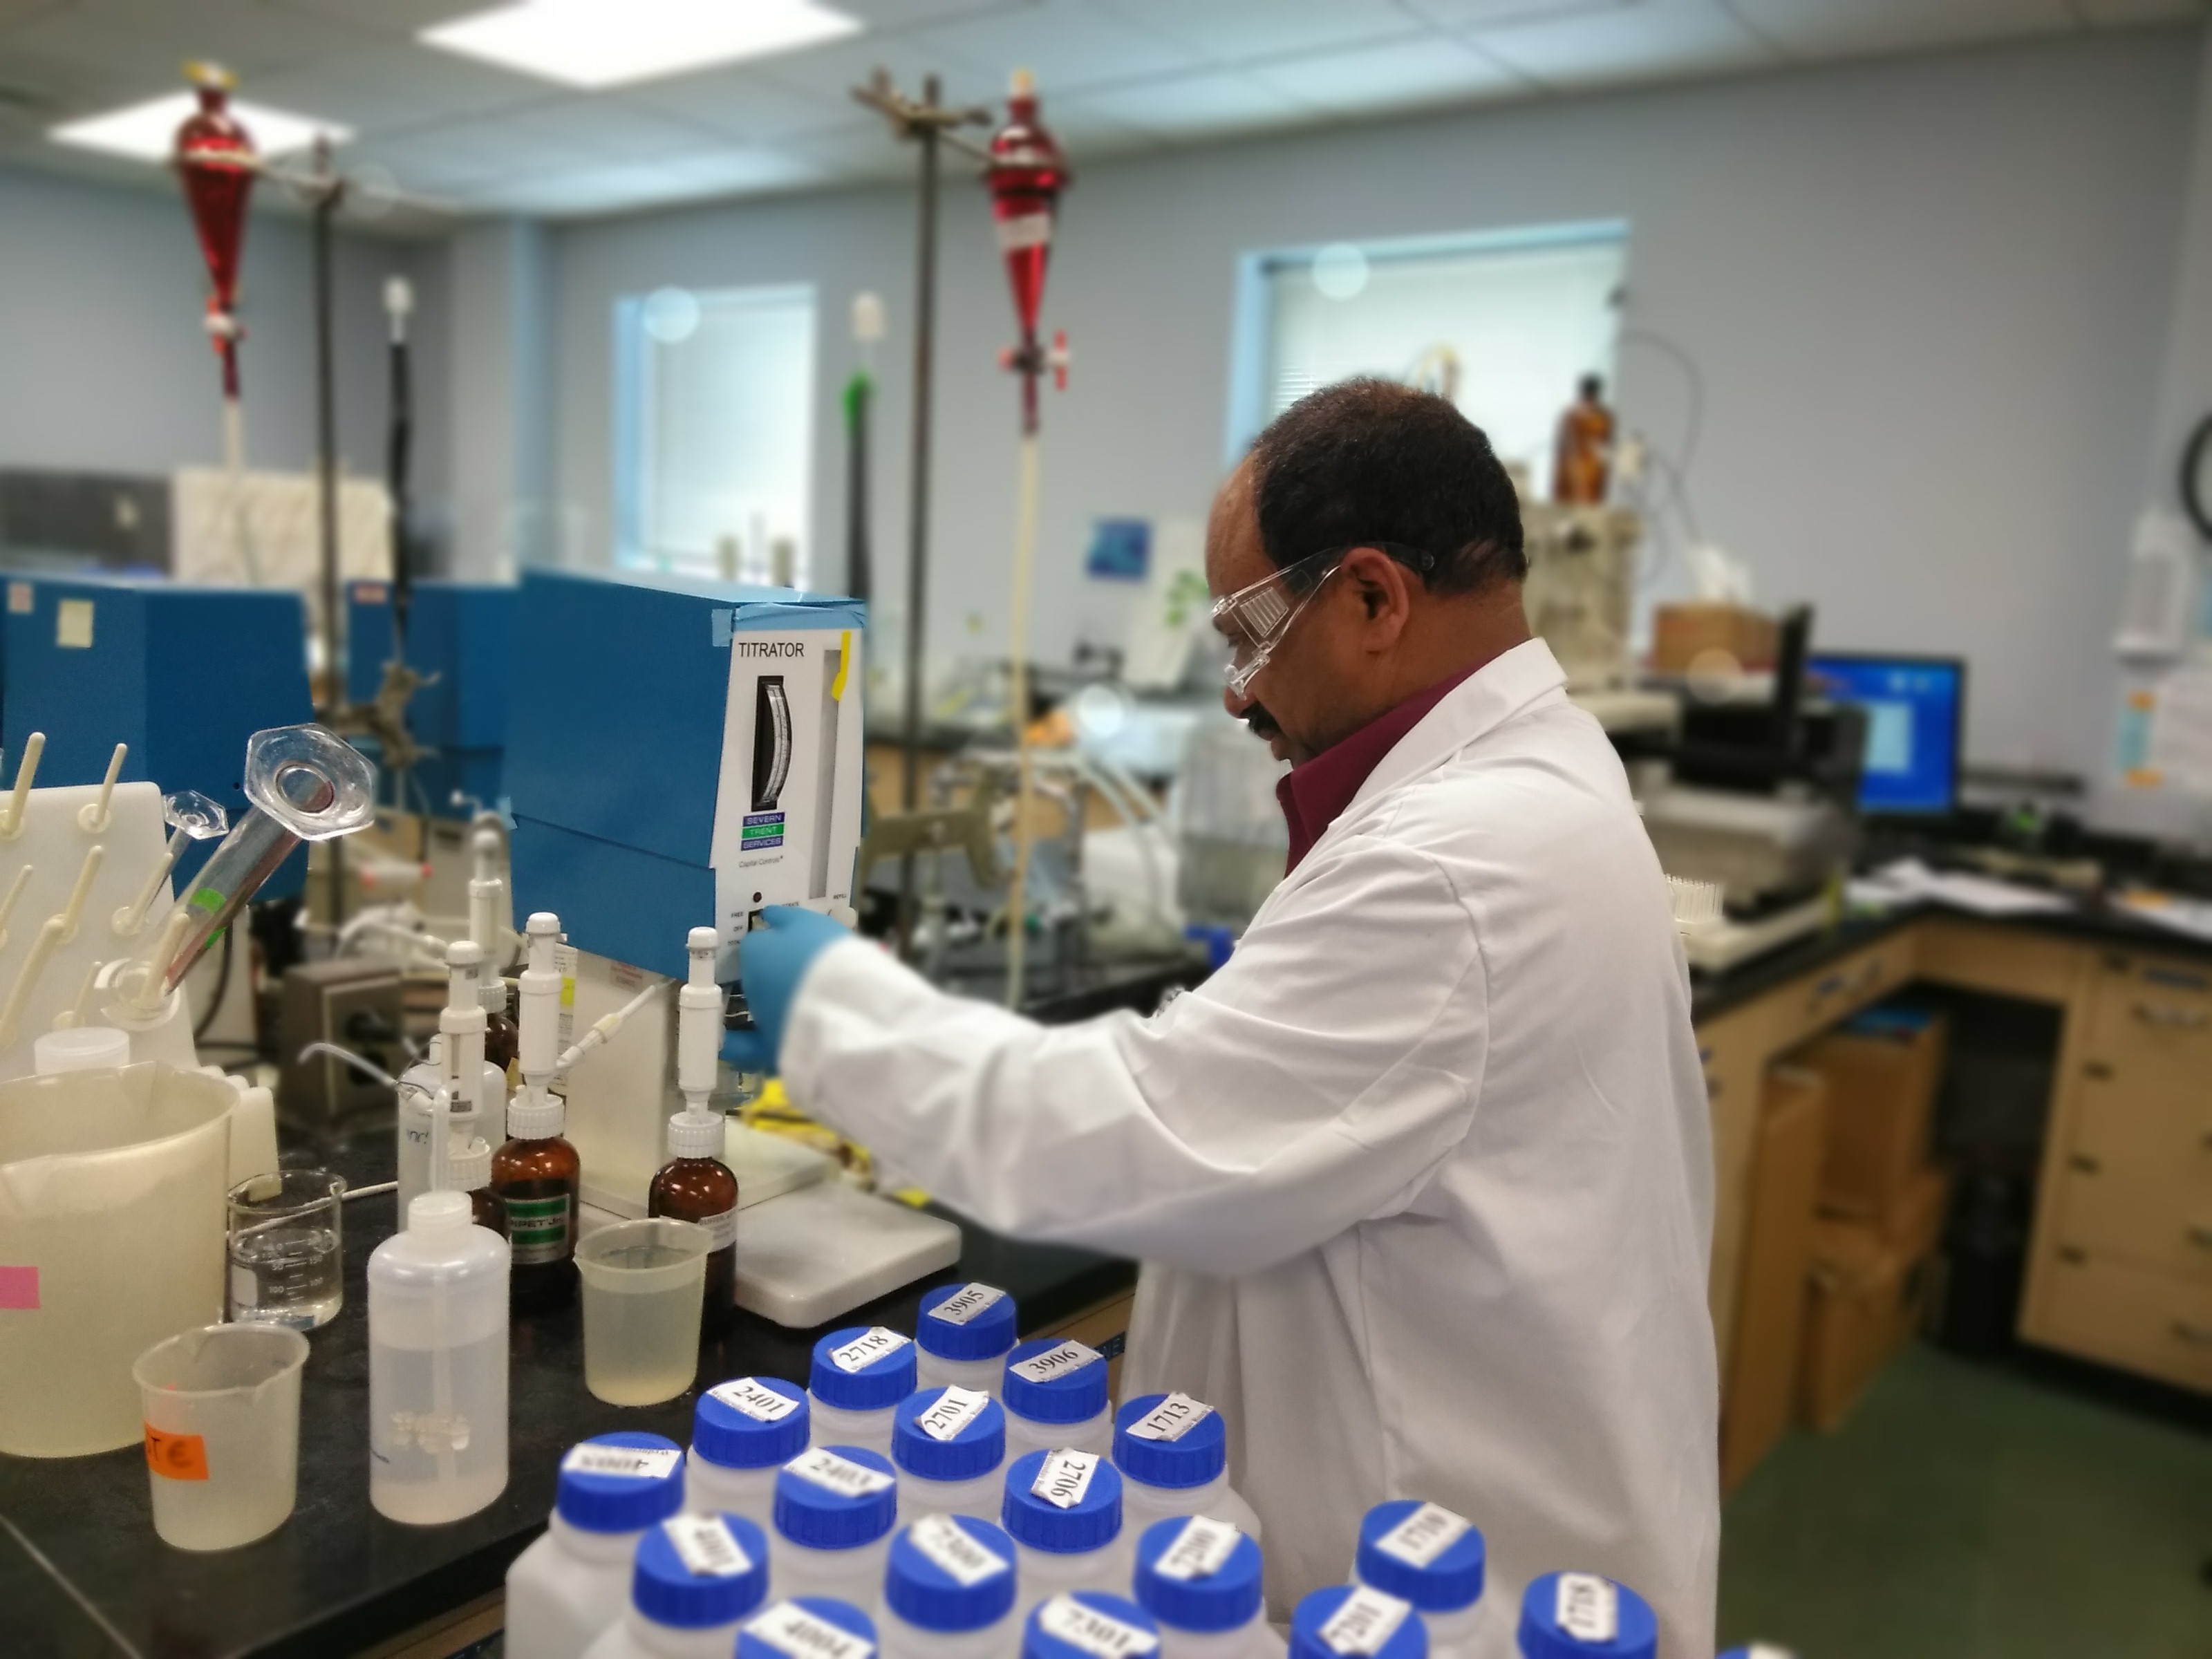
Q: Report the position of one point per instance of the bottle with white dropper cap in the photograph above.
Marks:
(535, 1174)
(694, 1184)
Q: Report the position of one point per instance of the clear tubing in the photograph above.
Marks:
(304, 783)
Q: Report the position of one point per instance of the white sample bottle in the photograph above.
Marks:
(1055, 1392)
(1063, 1511)
(857, 1377)
(1173, 1454)
(835, 1510)
(807, 1627)
(1425, 1554)
(437, 1365)
(964, 1333)
(949, 1445)
(743, 1433)
(949, 1591)
(1582, 1615)
(574, 1580)
(1199, 1579)
(697, 1578)
(1089, 1624)
(1355, 1621)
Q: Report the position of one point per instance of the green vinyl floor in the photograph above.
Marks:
(1973, 1511)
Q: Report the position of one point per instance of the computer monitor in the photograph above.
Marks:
(1915, 713)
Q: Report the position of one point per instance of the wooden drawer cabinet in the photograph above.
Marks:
(2152, 1015)
(2136, 1180)
(1821, 1001)
(2151, 1322)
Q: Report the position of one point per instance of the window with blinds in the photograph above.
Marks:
(714, 431)
(1504, 324)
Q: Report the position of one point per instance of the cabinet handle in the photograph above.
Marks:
(2156, 1013)
(2082, 1163)
(2199, 1335)
(2098, 1070)
(2202, 1235)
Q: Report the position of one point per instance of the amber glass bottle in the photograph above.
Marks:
(694, 1185)
(535, 1175)
(501, 1033)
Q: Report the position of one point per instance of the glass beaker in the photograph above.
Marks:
(285, 1252)
(222, 1407)
(645, 1283)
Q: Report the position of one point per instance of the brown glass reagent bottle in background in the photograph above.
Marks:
(503, 1038)
(536, 1174)
(694, 1185)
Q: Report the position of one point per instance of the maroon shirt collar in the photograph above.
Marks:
(1312, 795)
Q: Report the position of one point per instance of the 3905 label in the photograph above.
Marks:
(965, 1304)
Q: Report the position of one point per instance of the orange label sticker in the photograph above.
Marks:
(176, 1456)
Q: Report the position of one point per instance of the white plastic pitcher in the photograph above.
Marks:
(222, 1432)
(112, 1189)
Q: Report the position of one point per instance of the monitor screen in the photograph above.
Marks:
(1914, 709)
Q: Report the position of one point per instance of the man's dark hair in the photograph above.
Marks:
(1368, 462)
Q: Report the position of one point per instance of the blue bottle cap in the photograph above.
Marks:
(1225, 1599)
(1056, 1629)
(965, 1330)
(620, 1482)
(695, 1571)
(1193, 1457)
(1451, 1581)
(1636, 1630)
(1409, 1640)
(836, 1498)
(940, 1576)
(1090, 1522)
(979, 1446)
(808, 1627)
(1072, 1391)
(882, 1373)
(751, 1423)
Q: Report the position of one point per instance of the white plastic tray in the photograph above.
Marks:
(812, 1254)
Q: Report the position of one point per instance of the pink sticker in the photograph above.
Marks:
(19, 1288)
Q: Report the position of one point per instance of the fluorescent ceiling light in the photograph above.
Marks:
(607, 43)
(147, 131)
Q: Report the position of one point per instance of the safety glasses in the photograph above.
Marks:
(1254, 619)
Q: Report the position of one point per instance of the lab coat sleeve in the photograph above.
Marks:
(1315, 1081)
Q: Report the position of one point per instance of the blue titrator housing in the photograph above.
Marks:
(183, 675)
(682, 752)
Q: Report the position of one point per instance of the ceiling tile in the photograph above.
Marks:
(1233, 31)
(677, 178)
(1826, 28)
(1067, 45)
(744, 103)
(395, 17)
(382, 88)
(832, 71)
(1375, 80)
(863, 151)
(241, 35)
(2123, 14)
(1212, 102)
(1483, 14)
(1658, 38)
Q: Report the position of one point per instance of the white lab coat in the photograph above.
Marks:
(1421, 1178)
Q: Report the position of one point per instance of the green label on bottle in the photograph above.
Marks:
(538, 1229)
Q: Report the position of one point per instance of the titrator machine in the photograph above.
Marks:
(683, 753)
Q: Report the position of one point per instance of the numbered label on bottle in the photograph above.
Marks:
(839, 1474)
(790, 1630)
(1172, 1418)
(966, 1302)
(953, 1411)
(865, 1350)
(1099, 1634)
(1587, 1606)
(955, 1551)
(1069, 1356)
(1364, 1622)
(1424, 1535)
(1201, 1549)
(755, 1399)
(1063, 1479)
(706, 1546)
(631, 1462)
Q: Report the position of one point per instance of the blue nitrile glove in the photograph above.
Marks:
(771, 960)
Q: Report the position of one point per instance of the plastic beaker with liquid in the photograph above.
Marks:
(221, 1408)
(644, 1286)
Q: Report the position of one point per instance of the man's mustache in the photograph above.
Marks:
(1262, 722)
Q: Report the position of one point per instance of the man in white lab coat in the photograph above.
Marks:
(1421, 1177)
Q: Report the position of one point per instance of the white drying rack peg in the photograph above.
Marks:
(80, 1012)
(26, 770)
(28, 976)
(94, 818)
(8, 904)
(74, 908)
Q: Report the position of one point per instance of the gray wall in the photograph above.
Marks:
(104, 364)
(1929, 297)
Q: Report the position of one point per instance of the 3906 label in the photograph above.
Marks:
(1069, 1356)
